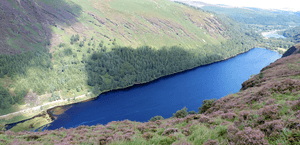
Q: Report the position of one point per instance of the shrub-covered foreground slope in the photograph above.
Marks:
(265, 111)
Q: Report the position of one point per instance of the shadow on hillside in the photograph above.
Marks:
(25, 25)
(126, 66)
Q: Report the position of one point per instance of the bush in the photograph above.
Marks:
(81, 43)
(192, 112)
(181, 113)
(261, 75)
(68, 51)
(296, 107)
(61, 45)
(78, 89)
(96, 90)
(206, 104)
(5, 98)
(156, 118)
(294, 137)
(55, 96)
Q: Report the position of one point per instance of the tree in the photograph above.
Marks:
(81, 43)
(5, 98)
(156, 118)
(181, 113)
(206, 104)
(101, 44)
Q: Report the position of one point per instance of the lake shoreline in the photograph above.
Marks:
(86, 98)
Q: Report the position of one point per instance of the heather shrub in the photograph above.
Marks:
(294, 137)
(186, 131)
(181, 113)
(297, 114)
(152, 128)
(269, 112)
(270, 101)
(176, 121)
(217, 113)
(141, 128)
(245, 115)
(206, 104)
(296, 107)
(189, 118)
(248, 136)
(156, 118)
(204, 119)
(271, 129)
(170, 131)
(147, 135)
(292, 123)
(231, 133)
(212, 142)
(229, 115)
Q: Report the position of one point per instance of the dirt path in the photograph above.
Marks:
(38, 107)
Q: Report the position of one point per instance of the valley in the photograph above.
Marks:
(62, 53)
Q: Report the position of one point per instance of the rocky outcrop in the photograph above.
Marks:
(293, 50)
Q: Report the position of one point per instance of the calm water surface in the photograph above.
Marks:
(167, 95)
(275, 36)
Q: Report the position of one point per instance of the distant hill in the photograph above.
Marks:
(293, 34)
(250, 15)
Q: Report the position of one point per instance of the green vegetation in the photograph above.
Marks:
(206, 104)
(101, 61)
(292, 34)
(256, 16)
(156, 118)
(267, 112)
(181, 113)
(74, 67)
(5, 98)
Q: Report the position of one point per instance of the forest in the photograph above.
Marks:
(292, 34)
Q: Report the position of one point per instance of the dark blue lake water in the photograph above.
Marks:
(168, 94)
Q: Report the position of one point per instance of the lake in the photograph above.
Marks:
(168, 94)
(274, 35)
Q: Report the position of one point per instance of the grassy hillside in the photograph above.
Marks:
(34, 24)
(265, 111)
(55, 51)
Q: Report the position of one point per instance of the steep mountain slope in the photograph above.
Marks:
(37, 23)
(265, 111)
